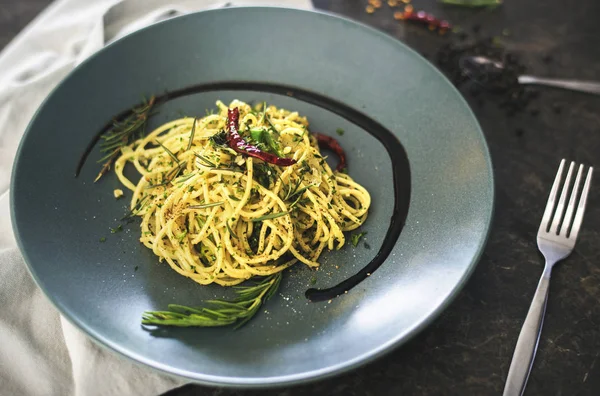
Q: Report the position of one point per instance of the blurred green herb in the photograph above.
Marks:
(236, 312)
(123, 133)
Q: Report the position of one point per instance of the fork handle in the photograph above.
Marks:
(592, 87)
(524, 354)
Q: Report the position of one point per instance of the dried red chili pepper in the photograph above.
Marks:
(427, 19)
(333, 145)
(237, 143)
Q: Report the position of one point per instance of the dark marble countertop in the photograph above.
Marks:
(467, 350)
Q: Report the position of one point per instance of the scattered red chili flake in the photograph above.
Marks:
(237, 143)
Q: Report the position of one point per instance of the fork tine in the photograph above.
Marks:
(572, 202)
(581, 207)
(561, 202)
(552, 198)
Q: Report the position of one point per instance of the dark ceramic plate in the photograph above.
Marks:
(402, 119)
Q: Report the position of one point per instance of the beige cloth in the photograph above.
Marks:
(40, 352)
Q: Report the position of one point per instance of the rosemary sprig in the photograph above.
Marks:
(222, 313)
(173, 156)
(173, 173)
(192, 135)
(292, 191)
(205, 161)
(123, 133)
(208, 205)
(230, 230)
(136, 209)
(269, 216)
(182, 235)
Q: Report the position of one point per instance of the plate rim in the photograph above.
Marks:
(281, 380)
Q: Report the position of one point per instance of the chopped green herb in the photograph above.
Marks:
(356, 238)
(313, 280)
(136, 268)
(118, 228)
(233, 197)
(103, 239)
(339, 131)
(183, 234)
(264, 174)
(219, 139)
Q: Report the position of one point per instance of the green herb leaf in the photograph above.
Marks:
(355, 238)
(169, 152)
(118, 228)
(192, 135)
(136, 209)
(205, 161)
(103, 239)
(339, 131)
(257, 134)
(264, 174)
(219, 139)
(269, 216)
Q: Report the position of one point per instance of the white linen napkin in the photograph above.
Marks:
(40, 352)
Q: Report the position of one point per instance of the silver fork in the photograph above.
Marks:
(556, 239)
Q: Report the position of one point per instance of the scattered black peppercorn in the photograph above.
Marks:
(511, 96)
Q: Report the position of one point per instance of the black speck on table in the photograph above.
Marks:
(467, 350)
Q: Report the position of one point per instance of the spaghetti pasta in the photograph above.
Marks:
(217, 215)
